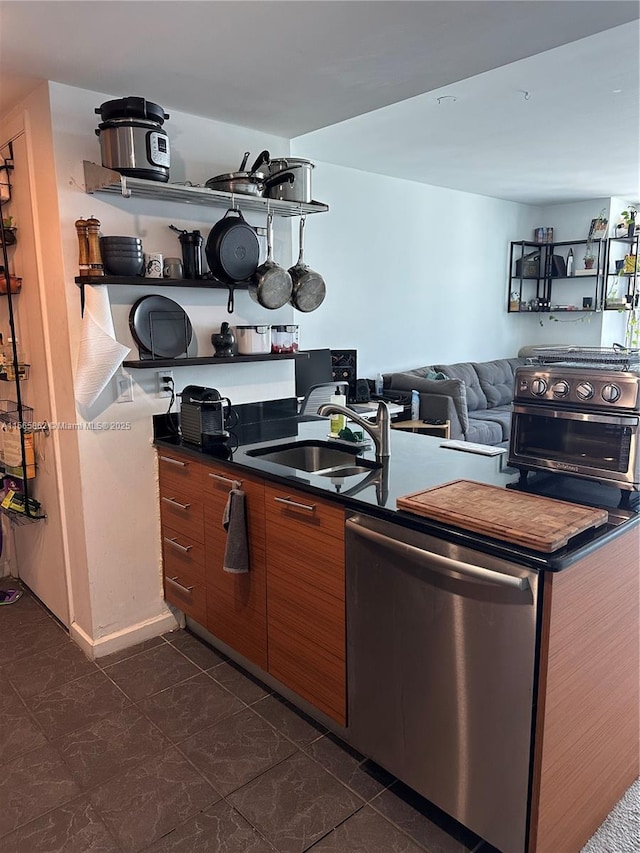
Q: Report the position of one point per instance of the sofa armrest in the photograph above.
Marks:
(440, 407)
(454, 389)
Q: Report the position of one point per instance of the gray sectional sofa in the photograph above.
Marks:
(475, 397)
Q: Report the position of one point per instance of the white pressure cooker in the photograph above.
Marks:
(132, 139)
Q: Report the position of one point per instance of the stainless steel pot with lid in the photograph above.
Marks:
(297, 190)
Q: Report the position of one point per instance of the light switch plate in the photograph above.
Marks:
(124, 384)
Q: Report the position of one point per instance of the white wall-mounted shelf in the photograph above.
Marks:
(98, 179)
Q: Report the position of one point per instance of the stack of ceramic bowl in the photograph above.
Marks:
(122, 255)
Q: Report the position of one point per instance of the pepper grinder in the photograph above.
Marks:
(95, 258)
(83, 247)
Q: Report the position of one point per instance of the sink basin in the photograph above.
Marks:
(315, 457)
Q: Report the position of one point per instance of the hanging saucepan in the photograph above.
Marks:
(309, 288)
(270, 285)
(247, 183)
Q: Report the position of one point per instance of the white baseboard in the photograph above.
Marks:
(124, 638)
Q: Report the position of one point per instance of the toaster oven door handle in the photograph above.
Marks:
(587, 417)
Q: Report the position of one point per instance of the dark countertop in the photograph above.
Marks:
(418, 462)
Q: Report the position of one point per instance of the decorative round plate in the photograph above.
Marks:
(160, 326)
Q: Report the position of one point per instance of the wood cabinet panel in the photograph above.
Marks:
(179, 473)
(233, 620)
(587, 744)
(182, 512)
(179, 552)
(305, 597)
(306, 611)
(304, 544)
(313, 673)
(186, 590)
(237, 611)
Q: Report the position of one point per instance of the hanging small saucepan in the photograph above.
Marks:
(270, 285)
(309, 288)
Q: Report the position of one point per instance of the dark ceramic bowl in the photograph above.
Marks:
(123, 266)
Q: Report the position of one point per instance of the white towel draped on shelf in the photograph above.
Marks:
(100, 354)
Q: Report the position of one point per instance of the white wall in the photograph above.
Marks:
(119, 492)
(418, 274)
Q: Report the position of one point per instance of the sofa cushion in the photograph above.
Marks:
(496, 379)
(484, 432)
(454, 388)
(500, 415)
(464, 370)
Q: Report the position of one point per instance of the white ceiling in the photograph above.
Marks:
(291, 67)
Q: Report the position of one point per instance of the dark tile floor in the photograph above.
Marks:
(169, 747)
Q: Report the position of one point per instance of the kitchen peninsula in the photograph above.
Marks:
(558, 657)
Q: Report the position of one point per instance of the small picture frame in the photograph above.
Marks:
(598, 229)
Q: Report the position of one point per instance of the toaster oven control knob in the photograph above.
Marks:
(611, 393)
(560, 389)
(539, 386)
(584, 390)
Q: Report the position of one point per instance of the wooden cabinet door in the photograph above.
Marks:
(236, 603)
(306, 597)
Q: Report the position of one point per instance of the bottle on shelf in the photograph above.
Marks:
(379, 384)
(570, 263)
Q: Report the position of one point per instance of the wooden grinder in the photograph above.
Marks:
(95, 257)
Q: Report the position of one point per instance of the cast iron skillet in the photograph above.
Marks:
(232, 249)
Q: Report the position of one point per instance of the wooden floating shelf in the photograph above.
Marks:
(141, 281)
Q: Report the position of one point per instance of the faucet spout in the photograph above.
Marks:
(379, 429)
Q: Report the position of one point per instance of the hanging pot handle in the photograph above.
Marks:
(234, 210)
(263, 158)
(230, 300)
(303, 221)
(244, 161)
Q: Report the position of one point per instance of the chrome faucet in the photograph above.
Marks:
(379, 429)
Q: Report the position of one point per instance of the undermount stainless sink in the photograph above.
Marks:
(317, 457)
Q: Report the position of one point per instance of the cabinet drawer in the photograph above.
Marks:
(311, 672)
(180, 552)
(178, 473)
(182, 513)
(186, 591)
(233, 620)
(305, 513)
(305, 545)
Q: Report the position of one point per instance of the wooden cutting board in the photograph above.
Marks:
(542, 524)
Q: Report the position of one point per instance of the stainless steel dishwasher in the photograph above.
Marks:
(441, 655)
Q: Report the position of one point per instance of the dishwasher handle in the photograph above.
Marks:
(430, 559)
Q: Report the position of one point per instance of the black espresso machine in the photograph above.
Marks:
(204, 414)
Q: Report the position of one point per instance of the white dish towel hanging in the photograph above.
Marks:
(100, 354)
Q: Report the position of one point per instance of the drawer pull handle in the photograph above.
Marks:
(296, 504)
(174, 581)
(235, 484)
(175, 503)
(174, 461)
(184, 548)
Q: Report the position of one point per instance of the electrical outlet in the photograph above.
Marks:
(124, 384)
(165, 382)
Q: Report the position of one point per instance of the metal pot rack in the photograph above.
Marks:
(98, 179)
